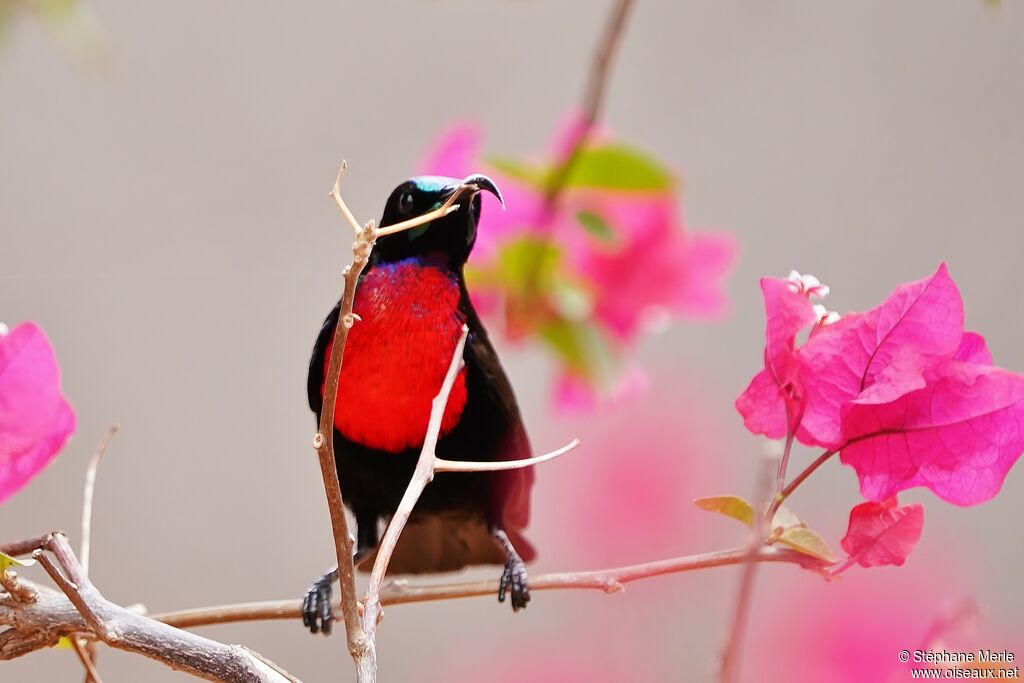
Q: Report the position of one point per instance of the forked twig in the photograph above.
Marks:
(79, 610)
(335, 194)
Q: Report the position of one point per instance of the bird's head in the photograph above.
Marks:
(449, 237)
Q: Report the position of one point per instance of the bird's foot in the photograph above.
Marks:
(316, 606)
(514, 581)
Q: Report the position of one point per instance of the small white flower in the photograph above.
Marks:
(825, 316)
(3, 329)
(807, 284)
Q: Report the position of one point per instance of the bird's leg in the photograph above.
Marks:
(316, 604)
(513, 579)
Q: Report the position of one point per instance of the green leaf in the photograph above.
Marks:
(808, 542)
(528, 259)
(582, 348)
(536, 177)
(64, 644)
(618, 167)
(6, 562)
(596, 226)
(730, 506)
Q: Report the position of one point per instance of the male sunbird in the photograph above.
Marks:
(411, 304)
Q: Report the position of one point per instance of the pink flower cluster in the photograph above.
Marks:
(902, 392)
(35, 418)
(616, 258)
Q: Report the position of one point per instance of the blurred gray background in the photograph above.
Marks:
(164, 216)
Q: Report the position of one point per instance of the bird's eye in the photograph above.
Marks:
(405, 203)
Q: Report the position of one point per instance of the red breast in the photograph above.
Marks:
(397, 355)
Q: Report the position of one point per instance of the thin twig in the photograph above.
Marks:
(780, 477)
(729, 671)
(401, 592)
(335, 194)
(92, 653)
(781, 497)
(442, 465)
(593, 100)
(87, 496)
(448, 207)
(26, 546)
(83, 656)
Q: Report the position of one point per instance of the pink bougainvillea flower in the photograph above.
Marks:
(615, 261)
(901, 391)
(35, 418)
(772, 393)
(882, 533)
(878, 355)
(973, 349)
(959, 435)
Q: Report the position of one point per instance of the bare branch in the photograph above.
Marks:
(87, 496)
(401, 592)
(324, 444)
(51, 616)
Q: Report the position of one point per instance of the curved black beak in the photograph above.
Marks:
(479, 181)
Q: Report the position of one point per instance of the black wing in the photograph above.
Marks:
(493, 409)
(315, 379)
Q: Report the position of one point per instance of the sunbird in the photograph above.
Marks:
(412, 302)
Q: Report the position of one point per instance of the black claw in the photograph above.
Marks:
(326, 618)
(503, 583)
(514, 577)
(305, 610)
(316, 607)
